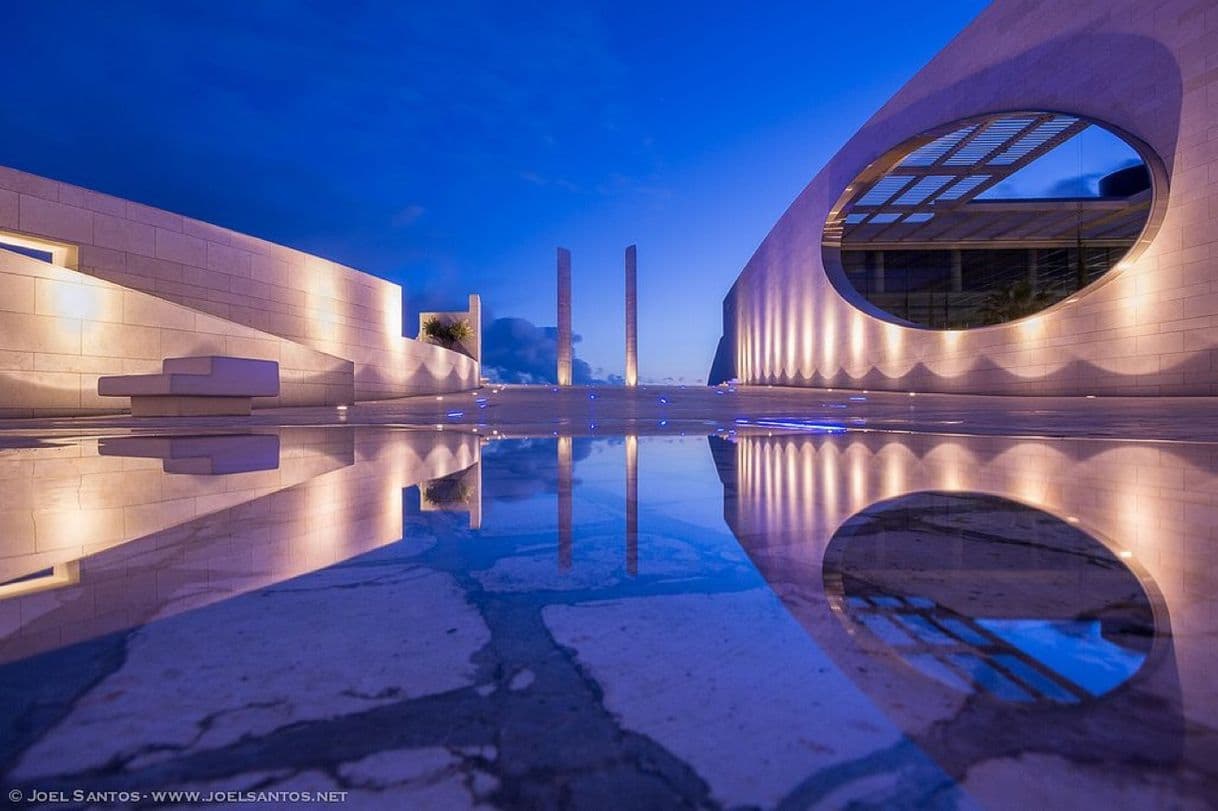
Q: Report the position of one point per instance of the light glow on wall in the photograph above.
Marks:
(857, 345)
(77, 301)
(790, 361)
(807, 335)
(1032, 327)
(1127, 496)
(829, 359)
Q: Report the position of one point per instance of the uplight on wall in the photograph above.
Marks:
(76, 300)
(1032, 327)
(321, 289)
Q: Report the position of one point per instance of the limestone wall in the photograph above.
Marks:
(1149, 327)
(60, 330)
(242, 279)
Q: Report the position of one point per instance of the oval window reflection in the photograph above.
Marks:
(991, 220)
(991, 597)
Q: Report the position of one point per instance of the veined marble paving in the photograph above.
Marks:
(798, 619)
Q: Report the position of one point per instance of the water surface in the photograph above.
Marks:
(773, 618)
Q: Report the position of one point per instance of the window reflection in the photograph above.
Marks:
(992, 597)
(993, 221)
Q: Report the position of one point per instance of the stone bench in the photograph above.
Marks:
(199, 455)
(193, 387)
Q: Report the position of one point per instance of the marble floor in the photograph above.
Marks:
(728, 599)
(540, 410)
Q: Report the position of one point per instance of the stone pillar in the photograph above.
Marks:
(565, 511)
(475, 323)
(877, 272)
(474, 478)
(632, 317)
(957, 272)
(632, 505)
(564, 317)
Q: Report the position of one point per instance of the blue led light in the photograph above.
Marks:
(795, 424)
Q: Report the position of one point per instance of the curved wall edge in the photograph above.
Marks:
(1151, 329)
(300, 306)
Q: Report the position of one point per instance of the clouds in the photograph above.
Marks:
(451, 146)
(329, 128)
(519, 469)
(515, 350)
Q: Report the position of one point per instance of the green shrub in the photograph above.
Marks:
(447, 333)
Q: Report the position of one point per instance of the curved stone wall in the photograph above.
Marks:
(253, 287)
(1153, 507)
(61, 330)
(1148, 327)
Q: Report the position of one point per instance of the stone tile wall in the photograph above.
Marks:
(304, 299)
(60, 330)
(1148, 68)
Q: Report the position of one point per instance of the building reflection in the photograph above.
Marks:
(95, 542)
(565, 508)
(459, 492)
(989, 596)
(206, 455)
(984, 591)
(632, 505)
(566, 513)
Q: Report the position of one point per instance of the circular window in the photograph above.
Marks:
(989, 220)
(991, 597)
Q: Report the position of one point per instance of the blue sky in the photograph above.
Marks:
(1073, 169)
(451, 146)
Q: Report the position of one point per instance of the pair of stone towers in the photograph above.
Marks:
(564, 317)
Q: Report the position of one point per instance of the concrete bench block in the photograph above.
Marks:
(199, 455)
(210, 385)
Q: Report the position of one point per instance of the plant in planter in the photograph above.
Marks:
(449, 334)
(449, 492)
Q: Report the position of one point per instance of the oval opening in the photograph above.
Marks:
(990, 220)
(991, 597)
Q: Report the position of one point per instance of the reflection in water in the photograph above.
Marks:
(207, 455)
(632, 504)
(565, 511)
(1066, 578)
(987, 595)
(112, 540)
(52, 577)
(886, 620)
(456, 492)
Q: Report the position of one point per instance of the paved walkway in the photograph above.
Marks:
(668, 409)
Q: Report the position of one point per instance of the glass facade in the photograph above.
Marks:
(995, 220)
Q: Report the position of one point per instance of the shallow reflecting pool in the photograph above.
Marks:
(988, 595)
(774, 617)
